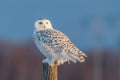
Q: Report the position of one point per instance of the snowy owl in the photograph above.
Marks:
(55, 45)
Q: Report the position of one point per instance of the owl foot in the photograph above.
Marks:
(52, 62)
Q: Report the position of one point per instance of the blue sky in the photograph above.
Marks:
(17, 19)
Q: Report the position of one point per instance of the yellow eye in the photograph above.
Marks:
(46, 22)
(40, 23)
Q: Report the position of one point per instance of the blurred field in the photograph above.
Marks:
(23, 62)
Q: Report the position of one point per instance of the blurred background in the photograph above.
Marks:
(92, 25)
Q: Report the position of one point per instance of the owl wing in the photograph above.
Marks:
(57, 43)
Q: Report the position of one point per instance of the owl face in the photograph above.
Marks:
(43, 24)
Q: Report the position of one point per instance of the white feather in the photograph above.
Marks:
(55, 45)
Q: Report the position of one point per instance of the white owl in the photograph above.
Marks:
(55, 45)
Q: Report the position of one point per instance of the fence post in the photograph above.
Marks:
(50, 72)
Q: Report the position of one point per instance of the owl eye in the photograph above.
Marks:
(46, 22)
(40, 23)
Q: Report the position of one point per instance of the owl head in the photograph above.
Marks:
(43, 24)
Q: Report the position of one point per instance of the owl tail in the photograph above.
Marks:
(74, 58)
(82, 56)
(71, 58)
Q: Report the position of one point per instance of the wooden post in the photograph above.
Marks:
(50, 72)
